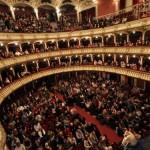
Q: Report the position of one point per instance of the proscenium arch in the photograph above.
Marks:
(6, 91)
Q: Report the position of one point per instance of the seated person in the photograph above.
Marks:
(129, 139)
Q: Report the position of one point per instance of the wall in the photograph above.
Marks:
(88, 13)
(137, 1)
(106, 7)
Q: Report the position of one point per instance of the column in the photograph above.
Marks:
(79, 39)
(69, 59)
(37, 65)
(36, 13)
(115, 38)
(57, 44)
(12, 12)
(20, 47)
(59, 60)
(128, 37)
(143, 35)
(33, 46)
(1, 77)
(78, 16)
(117, 4)
(80, 59)
(141, 60)
(45, 45)
(68, 43)
(102, 40)
(48, 62)
(96, 10)
(58, 12)
(103, 58)
(114, 57)
(7, 50)
(91, 58)
(25, 66)
(90, 40)
(13, 71)
(127, 59)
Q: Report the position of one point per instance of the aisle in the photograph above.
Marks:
(112, 136)
(105, 130)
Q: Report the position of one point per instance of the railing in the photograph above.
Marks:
(9, 88)
(140, 50)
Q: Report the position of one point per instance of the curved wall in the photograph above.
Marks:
(4, 92)
(5, 63)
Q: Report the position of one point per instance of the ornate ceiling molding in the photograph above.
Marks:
(6, 63)
(80, 4)
(19, 83)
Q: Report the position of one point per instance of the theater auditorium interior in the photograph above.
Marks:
(74, 74)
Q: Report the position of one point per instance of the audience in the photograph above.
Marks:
(25, 23)
(41, 120)
(64, 128)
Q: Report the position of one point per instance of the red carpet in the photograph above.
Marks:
(105, 130)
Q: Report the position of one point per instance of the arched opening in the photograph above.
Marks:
(146, 63)
(109, 40)
(121, 60)
(109, 59)
(5, 17)
(86, 59)
(68, 13)
(51, 45)
(39, 47)
(135, 38)
(43, 64)
(75, 60)
(97, 41)
(3, 52)
(27, 47)
(63, 44)
(74, 43)
(68, 18)
(32, 66)
(20, 71)
(65, 61)
(7, 76)
(14, 49)
(134, 62)
(23, 10)
(85, 42)
(121, 39)
(4, 8)
(54, 62)
(147, 38)
(47, 12)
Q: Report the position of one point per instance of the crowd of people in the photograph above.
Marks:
(86, 44)
(8, 76)
(42, 120)
(24, 23)
(119, 106)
